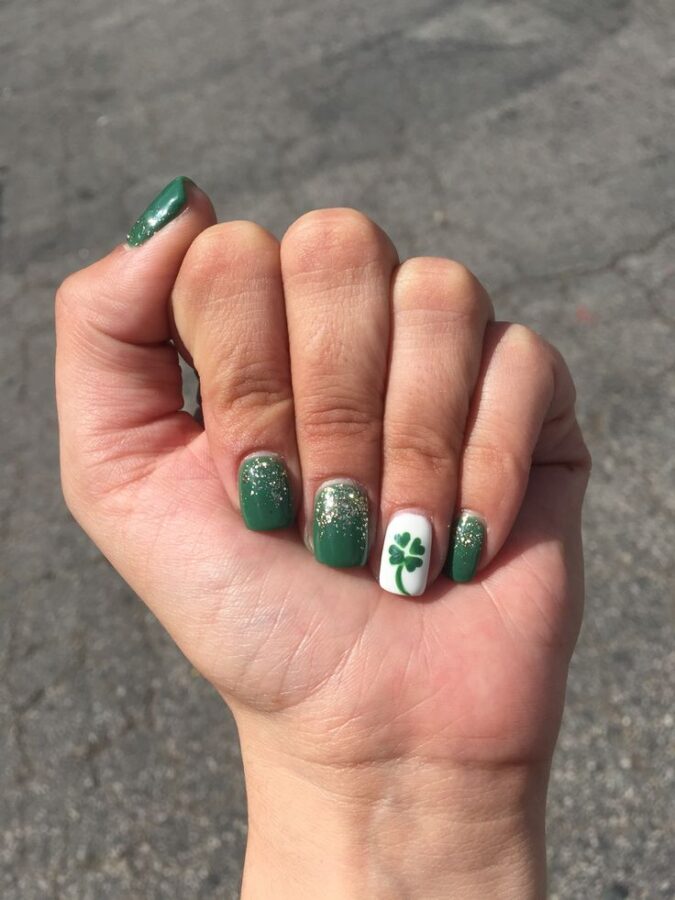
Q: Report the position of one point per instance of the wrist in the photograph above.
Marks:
(404, 828)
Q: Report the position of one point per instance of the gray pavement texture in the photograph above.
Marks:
(534, 140)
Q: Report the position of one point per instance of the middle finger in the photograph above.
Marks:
(336, 268)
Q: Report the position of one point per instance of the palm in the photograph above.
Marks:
(471, 672)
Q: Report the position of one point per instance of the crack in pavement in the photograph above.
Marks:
(572, 272)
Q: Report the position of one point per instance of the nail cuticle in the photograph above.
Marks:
(270, 454)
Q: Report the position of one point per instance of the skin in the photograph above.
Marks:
(392, 747)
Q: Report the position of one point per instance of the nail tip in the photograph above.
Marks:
(135, 240)
(467, 540)
(339, 565)
(340, 527)
(263, 528)
(396, 593)
(267, 529)
(163, 208)
(333, 562)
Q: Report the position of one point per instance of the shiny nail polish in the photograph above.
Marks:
(166, 206)
(265, 496)
(466, 544)
(341, 525)
(404, 567)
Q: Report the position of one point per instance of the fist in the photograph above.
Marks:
(368, 430)
(378, 402)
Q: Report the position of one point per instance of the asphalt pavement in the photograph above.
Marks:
(535, 141)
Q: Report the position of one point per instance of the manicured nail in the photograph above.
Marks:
(341, 525)
(466, 543)
(165, 207)
(404, 568)
(265, 493)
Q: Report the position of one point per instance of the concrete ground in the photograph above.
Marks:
(534, 140)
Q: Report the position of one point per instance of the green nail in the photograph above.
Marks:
(341, 525)
(165, 207)
(265, 493)
(466, 543)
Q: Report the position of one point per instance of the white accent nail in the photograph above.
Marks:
(404, 568)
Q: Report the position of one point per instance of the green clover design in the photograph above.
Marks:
(396, 555)
(402, 559)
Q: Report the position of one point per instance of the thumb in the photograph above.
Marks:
(118, 383)
(136, 470)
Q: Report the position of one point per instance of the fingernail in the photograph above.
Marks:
(404, 567)
(265, 496)
(165, 207)
(466, 543)
(341, 525)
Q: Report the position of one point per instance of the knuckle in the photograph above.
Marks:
(248, 385)
(329, 419)
(433, 269)
(585, 457)
(343, 239)
(460, 282)
(530, 353)
(545, 366)
(417, 448)
(530, 346)
(440, 285)
(561, 371)
(488, 464)
(238, 245)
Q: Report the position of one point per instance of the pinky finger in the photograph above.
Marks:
(522, 414)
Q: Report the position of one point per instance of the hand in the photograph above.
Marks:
(392, 746)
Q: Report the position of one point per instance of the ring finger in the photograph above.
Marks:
(440, 312)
